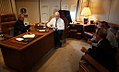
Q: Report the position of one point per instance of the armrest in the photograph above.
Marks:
(6, 36)
(94, 63)
(83, 68)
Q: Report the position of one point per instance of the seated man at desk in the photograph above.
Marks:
(57, 24)
(20, 27)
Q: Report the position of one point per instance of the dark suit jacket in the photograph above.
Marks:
(20, 28)
(104, 54)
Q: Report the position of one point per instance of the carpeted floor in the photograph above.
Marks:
(64, 59)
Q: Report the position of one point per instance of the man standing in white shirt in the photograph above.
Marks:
(57, 24)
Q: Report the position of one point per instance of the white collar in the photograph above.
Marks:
(100, 41)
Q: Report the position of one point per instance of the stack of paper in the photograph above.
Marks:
(29, 36)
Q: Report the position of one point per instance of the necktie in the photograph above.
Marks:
(56, 23)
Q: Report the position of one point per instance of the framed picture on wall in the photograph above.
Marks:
(44, 13)
(23, 10)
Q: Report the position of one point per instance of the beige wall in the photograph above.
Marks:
(114, 12)
(105, 10)
(32, 7)
(54, 5)
(101, 9)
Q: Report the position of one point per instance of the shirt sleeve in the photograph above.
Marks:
(50, 23)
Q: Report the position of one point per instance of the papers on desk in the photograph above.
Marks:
(19, 39)
(88, 33)
(42, 30)
(29, 36)
(26, 36)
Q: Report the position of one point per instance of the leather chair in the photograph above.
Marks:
(90, 65)
(7, 24)
(65, 15)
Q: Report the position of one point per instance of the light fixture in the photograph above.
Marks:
(85, 13)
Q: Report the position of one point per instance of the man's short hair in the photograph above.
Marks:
(20, 15)
(57, 14)
(102, 32)
(104, 24)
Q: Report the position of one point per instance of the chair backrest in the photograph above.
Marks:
(66, 14)
(7, 24)
(8, 18)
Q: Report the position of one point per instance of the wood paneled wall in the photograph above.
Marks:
(5, 7)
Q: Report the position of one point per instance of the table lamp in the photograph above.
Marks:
(85, 13)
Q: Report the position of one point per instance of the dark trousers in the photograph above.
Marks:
(58, 36)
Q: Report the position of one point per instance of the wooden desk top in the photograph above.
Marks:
(12, 43)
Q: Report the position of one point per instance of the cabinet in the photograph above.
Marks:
(81, 30)
(75, 31)
(89, 30)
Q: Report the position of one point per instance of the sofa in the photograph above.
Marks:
(94, 65)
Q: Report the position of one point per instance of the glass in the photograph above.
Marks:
(51, 25)
(1, 37)
(92, 22)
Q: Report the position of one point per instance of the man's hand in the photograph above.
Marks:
(84, 49)
(89, 42)
(53, 27)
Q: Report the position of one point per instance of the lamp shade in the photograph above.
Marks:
(86, 11)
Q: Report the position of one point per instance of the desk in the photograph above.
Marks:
(22, 56)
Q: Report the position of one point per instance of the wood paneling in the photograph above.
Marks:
(5, 7)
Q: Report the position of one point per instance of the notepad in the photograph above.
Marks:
(19, 39)
(43, 30)
(29, 36)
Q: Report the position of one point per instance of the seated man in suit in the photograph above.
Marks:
(103, 53)
(57, 24)
(19, 27)
(110, 36)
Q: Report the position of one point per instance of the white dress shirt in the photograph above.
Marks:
(60, 23)
(112, 38)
